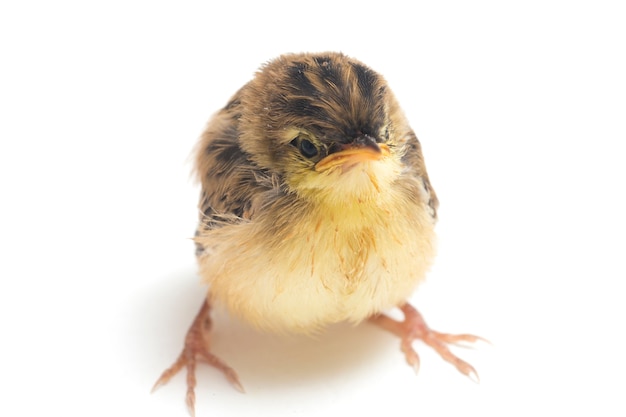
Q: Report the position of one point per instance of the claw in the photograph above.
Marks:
(196, 349)
(473, 375)
(412, 357)
(414, 327)
(456, 339)
(190, 400)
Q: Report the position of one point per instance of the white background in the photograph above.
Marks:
(521, 112)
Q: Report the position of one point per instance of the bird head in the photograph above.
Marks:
(326, 123)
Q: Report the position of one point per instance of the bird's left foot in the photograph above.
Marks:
(414, 327)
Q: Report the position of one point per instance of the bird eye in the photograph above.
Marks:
(306, 147)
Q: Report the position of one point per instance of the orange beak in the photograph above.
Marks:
(353, 154)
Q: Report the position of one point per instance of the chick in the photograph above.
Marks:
(316, 208)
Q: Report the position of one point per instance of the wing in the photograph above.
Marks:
(414, 160)
(233, 187)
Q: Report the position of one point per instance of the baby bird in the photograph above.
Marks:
(316, 208)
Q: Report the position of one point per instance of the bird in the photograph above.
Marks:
(315, 208)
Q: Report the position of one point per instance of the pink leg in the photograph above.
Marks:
(414, 327)
(196, 349)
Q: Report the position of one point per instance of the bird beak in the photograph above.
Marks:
(362, 149)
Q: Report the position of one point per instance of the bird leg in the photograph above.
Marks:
(414, 327)
(196, 349)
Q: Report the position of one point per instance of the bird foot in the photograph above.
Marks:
(414, 327)
(196, 350)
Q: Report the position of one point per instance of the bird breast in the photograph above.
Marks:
(300, 265)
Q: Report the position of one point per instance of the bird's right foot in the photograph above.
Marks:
(196, 349)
